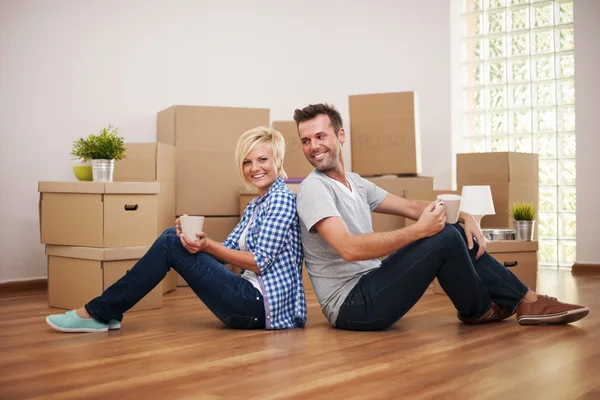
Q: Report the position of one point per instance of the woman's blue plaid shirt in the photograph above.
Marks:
(274, 240)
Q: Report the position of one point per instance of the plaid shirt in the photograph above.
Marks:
(274, 240)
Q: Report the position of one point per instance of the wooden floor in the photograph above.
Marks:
(182, 352)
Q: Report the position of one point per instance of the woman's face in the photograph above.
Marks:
(259, 168)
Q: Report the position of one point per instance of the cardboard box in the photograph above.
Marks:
(512, 177)
(98, 214)
(385, 134)
(295, 163)
(519, 256)
(153, 162)
(205, 140)
(76, 275)
(216, 228)
(245, 199)
(398, 186)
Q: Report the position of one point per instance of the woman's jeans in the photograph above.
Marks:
(230, 297)
(384, 295)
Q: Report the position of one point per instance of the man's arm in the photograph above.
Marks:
(472, 231)
(372, 245)
(396, 205)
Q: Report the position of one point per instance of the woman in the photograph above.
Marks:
(265, 244)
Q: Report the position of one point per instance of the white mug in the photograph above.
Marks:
(190, 225)
(452, 204)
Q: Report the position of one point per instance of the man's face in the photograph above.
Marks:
(321, 146)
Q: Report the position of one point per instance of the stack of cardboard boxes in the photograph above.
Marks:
(153, 162)
(207, 181)
(193, 164)
(386, 148)
(94, 233)
(512, 177)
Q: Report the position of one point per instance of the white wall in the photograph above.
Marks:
(70, 68)
(587, 102)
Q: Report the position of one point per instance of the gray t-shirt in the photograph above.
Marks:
(320, 197)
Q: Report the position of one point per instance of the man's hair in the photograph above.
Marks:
(311, 111)
(257, 136)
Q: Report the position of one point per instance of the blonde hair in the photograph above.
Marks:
(257, 136)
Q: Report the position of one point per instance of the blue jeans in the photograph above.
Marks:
(384, 295)
(230, 297)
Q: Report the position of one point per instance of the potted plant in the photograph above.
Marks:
(523, 220)
(103, 150)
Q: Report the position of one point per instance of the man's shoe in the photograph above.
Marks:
(494, 314)
(70, 322)
(549, 311)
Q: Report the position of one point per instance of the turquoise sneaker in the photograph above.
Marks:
(70, 322)
(113, 324)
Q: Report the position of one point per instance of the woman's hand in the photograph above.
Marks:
(178, 226)
(194, 246)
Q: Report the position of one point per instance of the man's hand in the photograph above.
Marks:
(432, 220)
(472, 230)
(194, 246)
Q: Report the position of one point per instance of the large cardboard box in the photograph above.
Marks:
(398, 186)
(512, 177)
(519, 256)
(385, 134)
(295, 163)
(153, 162)
(216, 228)
(76, 275)
(98, 214)
(205, 138)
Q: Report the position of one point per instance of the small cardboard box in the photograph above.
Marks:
(76, 275)
(295, 163)
(205, 140)
(153, 162)
(512, 177)
(98, 214)
(216, 228)
(385, 134)
(519, 256)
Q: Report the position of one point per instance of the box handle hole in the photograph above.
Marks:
(131, 207)
(509, 264)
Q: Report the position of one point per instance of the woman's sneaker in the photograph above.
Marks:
(114, 324)
(549, 311)
(71, 322)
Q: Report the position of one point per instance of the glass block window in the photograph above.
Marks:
(519, 95)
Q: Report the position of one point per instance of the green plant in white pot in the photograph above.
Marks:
(523, 220)
(103, 150)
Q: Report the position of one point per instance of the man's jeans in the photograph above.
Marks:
(230, 297)
(384, 295)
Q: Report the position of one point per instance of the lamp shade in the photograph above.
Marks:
(477, 200)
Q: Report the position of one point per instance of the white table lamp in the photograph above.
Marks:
(477, 201)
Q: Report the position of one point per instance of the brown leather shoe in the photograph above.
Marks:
(494, 314)
(549, 311)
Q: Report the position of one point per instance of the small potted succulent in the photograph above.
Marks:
(523, 220)
(102, 150)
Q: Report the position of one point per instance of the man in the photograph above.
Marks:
(356, 290)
